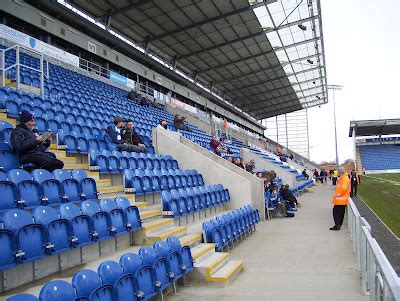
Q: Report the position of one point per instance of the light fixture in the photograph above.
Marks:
(310, 61)
(302, 27)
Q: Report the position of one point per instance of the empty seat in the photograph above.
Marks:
(52, 190)
(101, 220)
(117, 215)
(57, 290)
(133, 220)
(30, 237)
(29, 191)
(85, 282)
(23, 297)
(58, 231)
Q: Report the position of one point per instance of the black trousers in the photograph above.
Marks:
(46, 161)
(338, 214)
(353, 189)
(334, 179)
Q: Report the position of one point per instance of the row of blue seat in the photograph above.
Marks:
(181, 202)
(135, 277)
(26, 237)
(226, 228)
(20, 189)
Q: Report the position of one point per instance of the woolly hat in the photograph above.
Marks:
(25, 116)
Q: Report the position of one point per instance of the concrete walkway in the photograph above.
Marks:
(292, 259)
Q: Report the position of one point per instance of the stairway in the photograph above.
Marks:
(358, 160)
(214, 267)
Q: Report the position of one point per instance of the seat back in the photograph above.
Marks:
(109, 271)
(57, 290)
(45, 215)
(7, 249)
(9, 195)
(85, 282)
(23, 297)
(41, 175)
(18, 175)
(130, 262)
(79, 174)
(61, 174)
(148, 255)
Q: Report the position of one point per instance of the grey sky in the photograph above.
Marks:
(362, 45)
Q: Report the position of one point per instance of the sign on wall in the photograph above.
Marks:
(92, 47)
(37, 45)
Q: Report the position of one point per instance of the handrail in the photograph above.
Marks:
(378, 278)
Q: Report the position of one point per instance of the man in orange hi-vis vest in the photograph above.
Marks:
(341, 198)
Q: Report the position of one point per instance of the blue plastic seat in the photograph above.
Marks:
(109, 271)
(58, 231)
(186, 255)
(85, 282)
(30, 237)
(23, 297)
(132, 215)
(130, 263)
(9, 195)
(57, 290)
(29, 191)
(98, 159)
(52, 190)
(8, 249)
(163, 250)
(81, 224)
(117, 215)
(101, 219)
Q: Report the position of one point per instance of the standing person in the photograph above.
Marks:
(355, 180)
(334, 177)
(304, 173)
(130, 136)
(31, 147)
(341, 198)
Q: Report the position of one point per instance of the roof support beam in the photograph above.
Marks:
(195, 25)
(124, 9)
(274, 79)
(276, 112)
(267, 69)
(257, 55)
(253, 35)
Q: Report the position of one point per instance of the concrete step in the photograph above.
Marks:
(67, 160)
(76, 166)
(93, 174)
(201, 251)
(190, 239)
(103, 182)
(3, 116)
(112, 189)
(147, 214)
(227, 272)
(162, 234)
(211, 264)
(59, 153)
(157, 224)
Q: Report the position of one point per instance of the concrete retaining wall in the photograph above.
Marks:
(286, 176)
(244, 188)
(189, 118)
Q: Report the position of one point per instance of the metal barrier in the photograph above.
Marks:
(6, 70)
(379, 280)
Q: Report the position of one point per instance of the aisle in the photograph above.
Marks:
(292, 259)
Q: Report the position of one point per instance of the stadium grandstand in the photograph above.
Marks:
(188, 208)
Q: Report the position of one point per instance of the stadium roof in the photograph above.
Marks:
(264, 57)
(375, 127)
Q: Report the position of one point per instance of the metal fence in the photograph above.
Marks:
(379, 280)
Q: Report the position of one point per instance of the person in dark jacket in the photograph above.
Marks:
(304, 173)
(130, 136)
(30, 146)
(179, 123)
(115, 134)
(288, 196)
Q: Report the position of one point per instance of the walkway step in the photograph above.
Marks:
(162, 222)
(227, 272)
(190, 239)
(111, 189)
(76, 166)
(162, 234)
(3, 116)
(102, 182)
(144, 214)
(59, 153)
(199, 251)
(68, 160)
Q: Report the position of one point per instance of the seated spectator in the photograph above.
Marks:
(163, 124)
(115, 134)
(218, 147)
(179, 123)
(133, 95)
(288, 196)
(270, 176)
(239, 163)
(30, 146)
(304, 173)
(229, 159)
(281, 206)
(250, 165)
(130, 136)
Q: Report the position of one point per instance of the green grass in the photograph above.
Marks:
(383, 198)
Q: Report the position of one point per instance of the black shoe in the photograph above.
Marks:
(335, 228)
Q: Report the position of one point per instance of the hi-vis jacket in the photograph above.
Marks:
(342, 192)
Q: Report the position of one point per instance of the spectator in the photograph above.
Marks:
(250, 165)
(238, 162)
(355, 180)
(288, 196)
(214, 143)
(281, 206)
(291, 157)
(323, 174)
(115, 134)
(133, 95)
(163, 124)
(229, 159)
(304, 173)
(179, 123)
(31, 147)
(334, 177)
(270, 176)
(130, 137)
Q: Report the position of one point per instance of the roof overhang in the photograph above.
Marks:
(374, 127)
